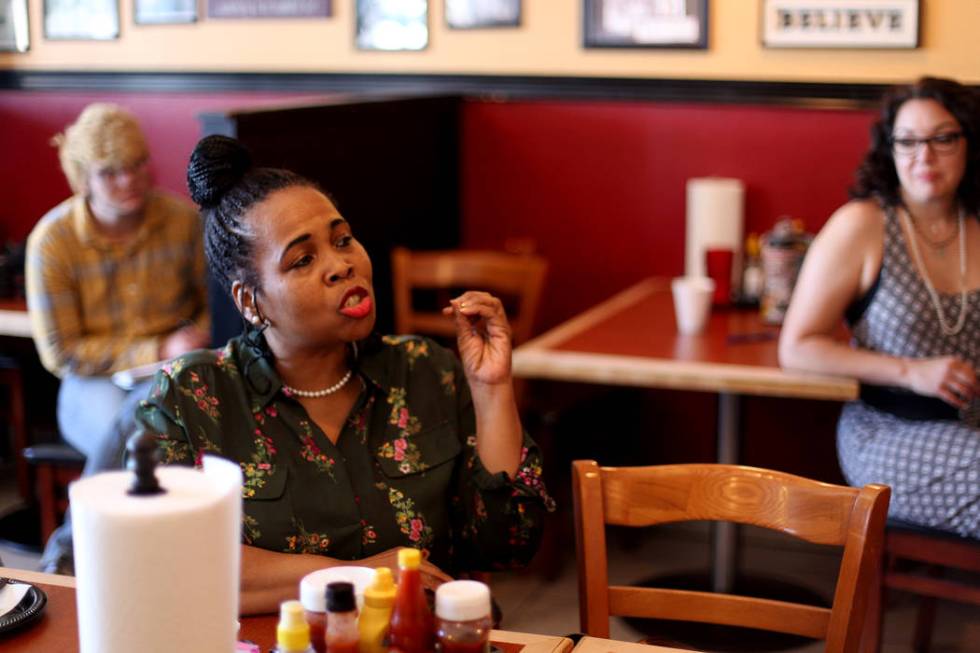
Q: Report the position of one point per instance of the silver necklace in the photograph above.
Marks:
(315, 394)
(939, 245)
(933, 295)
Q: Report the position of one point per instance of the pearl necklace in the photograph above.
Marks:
(933, 295)
(315, 394)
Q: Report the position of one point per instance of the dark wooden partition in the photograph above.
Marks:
(391, 165)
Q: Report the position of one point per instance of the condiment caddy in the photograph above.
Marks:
(391, 619)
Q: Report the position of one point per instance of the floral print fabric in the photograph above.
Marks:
(404, 470)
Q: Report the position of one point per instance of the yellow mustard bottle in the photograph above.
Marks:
(372, 625)
(292, 633)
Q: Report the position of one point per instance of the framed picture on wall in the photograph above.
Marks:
(81, 20)
(392, 26)
(471, 14)
(164, 12)
(269, 8)
(646, 23)
(14, 35)
(840, 24)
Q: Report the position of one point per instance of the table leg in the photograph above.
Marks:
(725, 535)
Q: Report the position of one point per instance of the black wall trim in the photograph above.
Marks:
(811, 94)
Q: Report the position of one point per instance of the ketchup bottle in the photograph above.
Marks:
(411, 620)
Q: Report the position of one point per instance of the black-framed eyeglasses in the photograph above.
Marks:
(945, 143)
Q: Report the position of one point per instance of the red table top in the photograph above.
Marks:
(632, 339)
(647, 329)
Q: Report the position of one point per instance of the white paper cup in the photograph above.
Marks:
(692, 303)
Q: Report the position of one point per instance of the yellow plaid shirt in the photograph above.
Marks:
(99, 306)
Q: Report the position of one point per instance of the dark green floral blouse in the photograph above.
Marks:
(404, 471)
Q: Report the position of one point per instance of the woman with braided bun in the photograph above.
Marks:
(350, 444)
(901, 263)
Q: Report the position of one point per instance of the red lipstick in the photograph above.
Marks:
(356, 303)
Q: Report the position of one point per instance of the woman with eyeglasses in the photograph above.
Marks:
(900, 263)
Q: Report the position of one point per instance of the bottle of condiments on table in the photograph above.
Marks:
(463, 617)
(783, 250)
(411, 620)
(372, 625)
(312, 594)
(752, 277)
(292, 633)
(341, 635)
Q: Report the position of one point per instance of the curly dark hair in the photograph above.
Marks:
(223, 182)
(876, 177)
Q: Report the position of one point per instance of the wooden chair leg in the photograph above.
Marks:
(922, 639)
(872, 636)
(47, 501)
(925, 618)
(11, 378)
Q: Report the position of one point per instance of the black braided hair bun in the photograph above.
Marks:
(216, 165)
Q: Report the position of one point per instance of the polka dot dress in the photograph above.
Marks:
(933, 467)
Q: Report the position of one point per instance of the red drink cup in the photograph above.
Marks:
(718, 265)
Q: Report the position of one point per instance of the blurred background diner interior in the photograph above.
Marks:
(506, 138)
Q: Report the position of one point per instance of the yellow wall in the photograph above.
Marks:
(547, 43)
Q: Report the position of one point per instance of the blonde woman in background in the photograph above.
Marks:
(115, 279)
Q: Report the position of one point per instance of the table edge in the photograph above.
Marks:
(611, 369)
(37, 577)
(594, 315)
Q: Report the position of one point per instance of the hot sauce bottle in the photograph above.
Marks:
(411, 620)
(463, 617)
(341, 635)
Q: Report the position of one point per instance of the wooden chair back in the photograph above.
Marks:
(940, 552)
(821, 513)
(517, 277)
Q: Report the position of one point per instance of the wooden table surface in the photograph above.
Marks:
(632, 340)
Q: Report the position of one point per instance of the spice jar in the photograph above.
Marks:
(312, 594)
(463, 617)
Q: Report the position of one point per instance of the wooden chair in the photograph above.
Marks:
(816, 512)
(518, 277)
(12, 380)
(56, 465)
(939, 551)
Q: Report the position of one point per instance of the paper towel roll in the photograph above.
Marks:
(158, 573)
(715, 208)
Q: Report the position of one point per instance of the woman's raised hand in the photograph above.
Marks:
(949, 378)
(483, 337)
